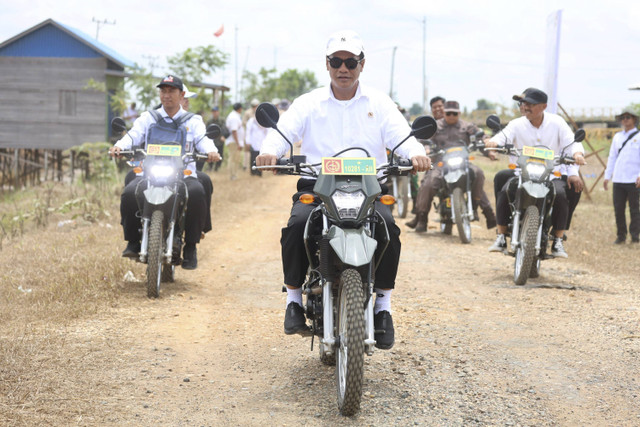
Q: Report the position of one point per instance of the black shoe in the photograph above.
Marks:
(132, 250)
(620, 241)
(294, 320)
(384, 332)
(635, 240)
(190, 257)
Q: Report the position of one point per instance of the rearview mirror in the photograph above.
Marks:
(493, 122)
(118, 125)
(267, 115)
(213, 131)
(579, 135)
(424, 127)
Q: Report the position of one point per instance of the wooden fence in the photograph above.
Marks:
(22, 167)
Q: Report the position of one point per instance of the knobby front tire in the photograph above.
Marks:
(350, 348)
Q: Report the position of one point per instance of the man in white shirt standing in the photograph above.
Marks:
(328, 120)
(235, 141)
(623, 168)
(537, 127)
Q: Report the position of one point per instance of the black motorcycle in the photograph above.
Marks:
(165, 195)
(340, 241)
(532, 206)
(454, 202)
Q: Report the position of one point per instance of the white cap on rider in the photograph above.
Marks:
(346, 40)
(188, 93)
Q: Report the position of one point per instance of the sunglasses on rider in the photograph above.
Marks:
(451, 113)
(350, 63)
(625, 117)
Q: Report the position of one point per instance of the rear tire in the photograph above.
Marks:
(461, 214)
(526, 251)
(154, 258)
(350, 334)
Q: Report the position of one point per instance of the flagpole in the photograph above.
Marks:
(236, 49)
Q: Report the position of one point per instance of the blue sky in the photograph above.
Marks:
(474, 50)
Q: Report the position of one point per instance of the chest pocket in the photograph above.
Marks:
(174, 131)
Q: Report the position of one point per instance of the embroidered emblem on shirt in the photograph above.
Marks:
(370, 114)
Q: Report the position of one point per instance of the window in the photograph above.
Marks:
(67, 105)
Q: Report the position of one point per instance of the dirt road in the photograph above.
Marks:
(471, 348)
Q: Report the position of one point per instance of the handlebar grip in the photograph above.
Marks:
(404, 162)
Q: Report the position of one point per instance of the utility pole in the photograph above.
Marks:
(393, 61)
(237, 95)
(103, 22)
(424, 64)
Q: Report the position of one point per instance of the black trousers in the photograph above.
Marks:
(130, 218)
(508, 192)
(623, 193)
(573, 197)
(204, 179)
(294, 256)
(254, 154)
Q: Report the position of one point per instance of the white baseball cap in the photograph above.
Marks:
(346, 40)
(188, 93)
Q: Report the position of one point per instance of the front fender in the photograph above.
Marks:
(451, 177)
(535, 189)
(352, 246)
(157, 195)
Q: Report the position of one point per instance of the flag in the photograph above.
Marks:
(220, 31)
(552, 55)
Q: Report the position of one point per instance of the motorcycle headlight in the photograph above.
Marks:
(535, 170)
(454, 162)
(162, 171)
(348, 205)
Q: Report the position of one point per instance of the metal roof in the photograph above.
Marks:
(28, 43)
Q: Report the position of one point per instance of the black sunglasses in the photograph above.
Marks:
(350, 63)
(451, 113)
(625, 117)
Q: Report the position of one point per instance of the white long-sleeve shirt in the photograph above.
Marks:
(624, 165)
(554, 133)
(325, 125)
(195, 127)
(255, 134)
(234, 122)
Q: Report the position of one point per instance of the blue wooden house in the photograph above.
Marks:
(44, 73)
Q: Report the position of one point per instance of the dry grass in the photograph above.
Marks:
(59, 267)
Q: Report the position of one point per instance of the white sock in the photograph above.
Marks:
(294, 295)
(383, 301)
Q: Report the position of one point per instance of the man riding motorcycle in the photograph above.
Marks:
(535, 128)
(451, 132)
(327, 120)
(171, 112)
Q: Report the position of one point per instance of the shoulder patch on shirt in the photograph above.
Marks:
(370, 114)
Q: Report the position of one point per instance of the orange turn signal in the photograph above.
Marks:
(440, 164)
(137, 169)
(472, 158)
(387, 199)
(307, 198)
(186, 172)
(512, 166)
(557, 173)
